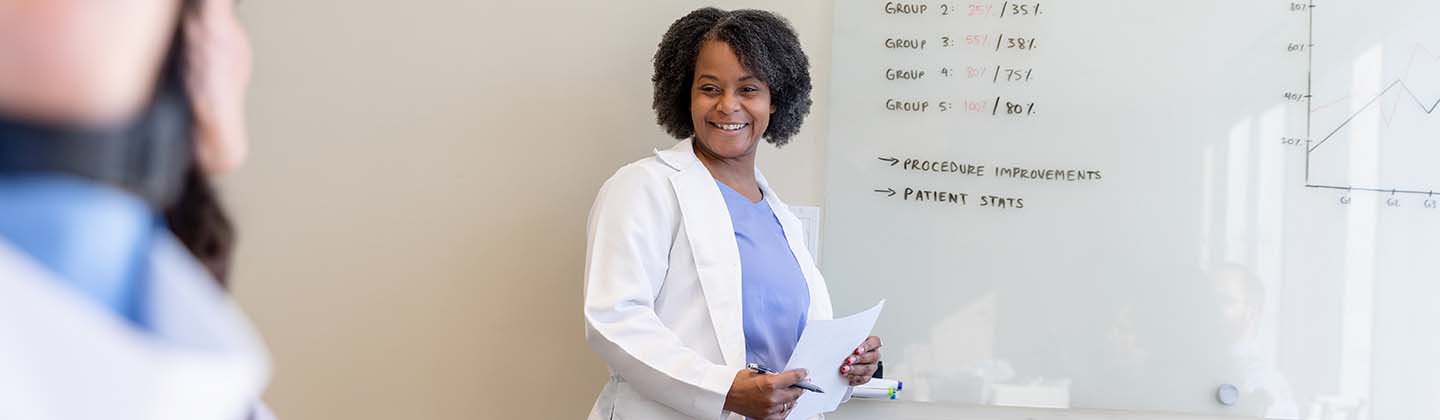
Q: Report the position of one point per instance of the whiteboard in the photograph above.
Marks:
(1130, 204)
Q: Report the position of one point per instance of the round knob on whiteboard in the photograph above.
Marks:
(1227, 394)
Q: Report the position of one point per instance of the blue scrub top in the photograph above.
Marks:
(95, 238)
(774, 295)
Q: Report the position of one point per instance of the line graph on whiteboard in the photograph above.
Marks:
(1371, 103)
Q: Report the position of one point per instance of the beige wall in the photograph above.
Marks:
(413, 213)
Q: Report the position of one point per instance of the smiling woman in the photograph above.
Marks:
(695, 268)
(765, 46)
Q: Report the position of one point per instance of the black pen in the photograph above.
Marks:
(802, 385)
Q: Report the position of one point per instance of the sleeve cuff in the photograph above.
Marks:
(716, 385)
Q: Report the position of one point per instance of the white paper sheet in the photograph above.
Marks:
(822, 348)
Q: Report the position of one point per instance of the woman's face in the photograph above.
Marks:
(218, 56)
(729, 106)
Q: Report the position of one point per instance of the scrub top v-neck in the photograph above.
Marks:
(775, 298)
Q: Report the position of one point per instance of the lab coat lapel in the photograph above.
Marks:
(712, 240)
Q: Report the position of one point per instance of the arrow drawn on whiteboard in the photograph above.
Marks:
(887, 190)
(892, 160)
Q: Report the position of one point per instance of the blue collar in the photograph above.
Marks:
(93, 237)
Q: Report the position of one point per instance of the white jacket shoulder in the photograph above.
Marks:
(649, 172)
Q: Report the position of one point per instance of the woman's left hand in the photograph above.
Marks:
(860, 366)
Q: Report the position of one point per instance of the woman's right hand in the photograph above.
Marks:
(763, 396)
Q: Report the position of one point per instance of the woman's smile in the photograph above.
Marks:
(728, 128)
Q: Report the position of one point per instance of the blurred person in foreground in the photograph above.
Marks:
(113, 115)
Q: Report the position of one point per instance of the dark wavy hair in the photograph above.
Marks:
(766, 45)
(196, 217)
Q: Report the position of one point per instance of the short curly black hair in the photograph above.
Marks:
(766, 45)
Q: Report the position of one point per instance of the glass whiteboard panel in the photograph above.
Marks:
(1134, 204)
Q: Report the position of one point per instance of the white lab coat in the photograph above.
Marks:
(66, 357)
(662, 292)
